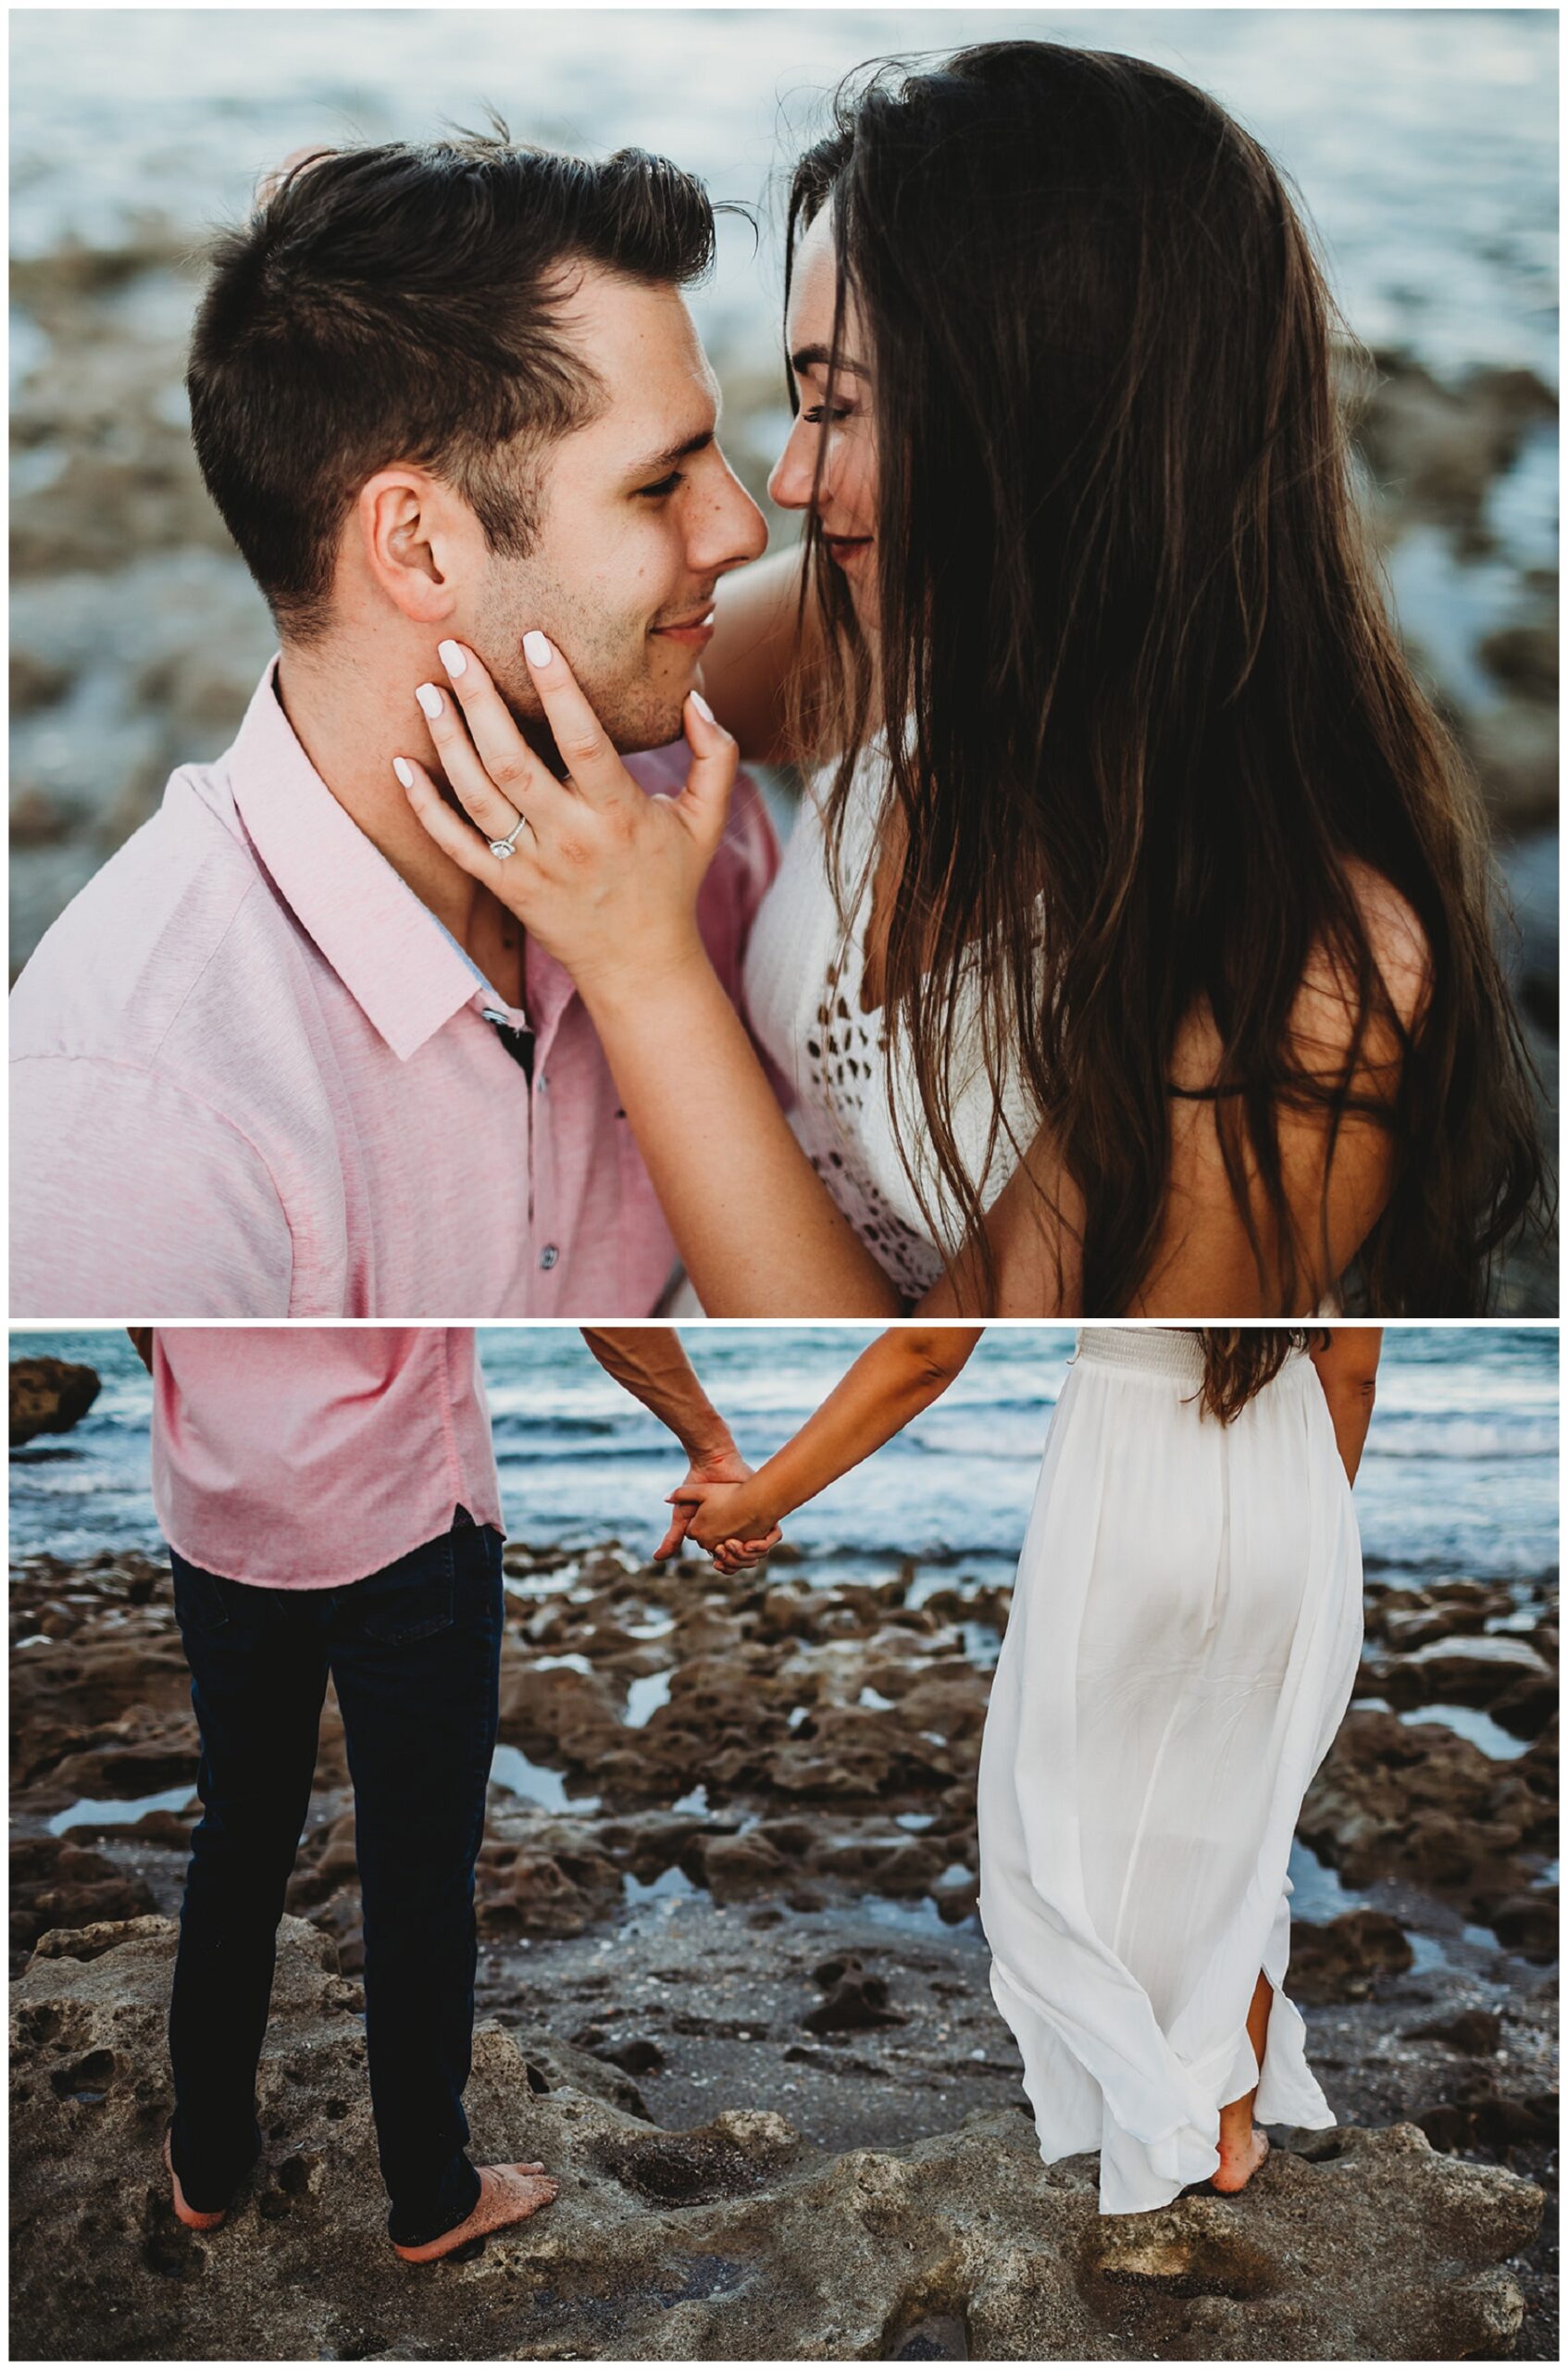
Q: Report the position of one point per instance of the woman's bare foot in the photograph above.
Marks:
(508, 2193)
(1239, 2159)
(183, 2213)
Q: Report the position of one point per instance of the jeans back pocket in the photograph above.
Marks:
(413, 1598)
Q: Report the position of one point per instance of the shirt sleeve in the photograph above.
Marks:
(132, 1199)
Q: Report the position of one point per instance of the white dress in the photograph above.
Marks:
(1183, 1635)
(803, 971)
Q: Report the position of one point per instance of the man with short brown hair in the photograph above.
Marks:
(283, 1056)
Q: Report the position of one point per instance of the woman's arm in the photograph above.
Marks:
(606, 878)
(1347, 1367)
(761, 646)
(758, 1231)
(887, 1387)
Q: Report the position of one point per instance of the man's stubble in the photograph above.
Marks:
(612, 659)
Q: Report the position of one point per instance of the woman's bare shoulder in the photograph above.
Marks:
(1395, 942)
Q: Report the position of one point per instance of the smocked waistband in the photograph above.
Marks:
(1145, 1349)
(1156, 1349)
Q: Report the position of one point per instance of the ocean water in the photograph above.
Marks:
(1423, 142)
(1460, 1477)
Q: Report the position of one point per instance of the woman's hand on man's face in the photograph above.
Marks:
(603, 876)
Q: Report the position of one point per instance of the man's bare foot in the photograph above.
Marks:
(1238, 2161)
(183, 2213)
(508, 2193)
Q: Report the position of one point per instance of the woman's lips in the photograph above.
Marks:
(845, 549)
(695, 634)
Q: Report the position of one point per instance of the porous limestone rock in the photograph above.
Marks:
(740, 2240)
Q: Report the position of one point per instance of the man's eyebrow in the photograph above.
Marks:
(822, 358)
(657, 464)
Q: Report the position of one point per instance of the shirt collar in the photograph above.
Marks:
(402, 967)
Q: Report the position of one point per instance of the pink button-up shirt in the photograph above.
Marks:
(308, 1456)
(253, 1076)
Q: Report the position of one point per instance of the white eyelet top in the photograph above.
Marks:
(802, 984)
(803, 972)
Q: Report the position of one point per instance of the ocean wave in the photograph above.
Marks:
(1472, 1438)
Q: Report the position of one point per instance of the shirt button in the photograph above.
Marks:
(549, 1255)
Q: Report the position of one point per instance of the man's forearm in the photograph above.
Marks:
(649, 1361)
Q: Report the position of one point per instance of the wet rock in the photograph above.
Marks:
(1514, 746)
(735, 2241)
(542, 1877)
(957, 1895)
(1436, 450)
(1404, 1618)
(42, 818)
(1524, 658)
(901, 1869)
(1527, 1922)
(537, 1875)
(734, 1867)
(857, 2000)
(1477, 2032)
(636, 2056)
(146, 1752)
(1423, 1803)
(1457, 1670)
(1480, 2120)
(557, 1714)
(47, 1395)
(58, 1882)
(1347, 1958)
(1528, 1708)
(36, 682)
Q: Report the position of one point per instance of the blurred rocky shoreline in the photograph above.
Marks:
(730, 1956)
(137, 635)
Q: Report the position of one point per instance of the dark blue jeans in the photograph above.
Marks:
(414, 1652)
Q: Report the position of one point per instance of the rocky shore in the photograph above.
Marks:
(733, 1983)
(137, 635)
(741, 2239)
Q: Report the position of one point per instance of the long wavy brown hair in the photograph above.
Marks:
(1145, 712)
(1240, 1360)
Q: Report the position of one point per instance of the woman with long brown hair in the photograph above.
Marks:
(1184, 1634)
(1132, 953)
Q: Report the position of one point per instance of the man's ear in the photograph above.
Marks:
(414, 542)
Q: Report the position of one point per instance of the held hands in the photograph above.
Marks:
(728, 1520)
(714, 1482)
(603, 876)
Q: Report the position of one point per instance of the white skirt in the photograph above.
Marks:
(1184, 1635)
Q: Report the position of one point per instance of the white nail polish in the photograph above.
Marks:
(404, 771)
(452, 658)
(428, 699)
(700, 703)
(536, 650)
